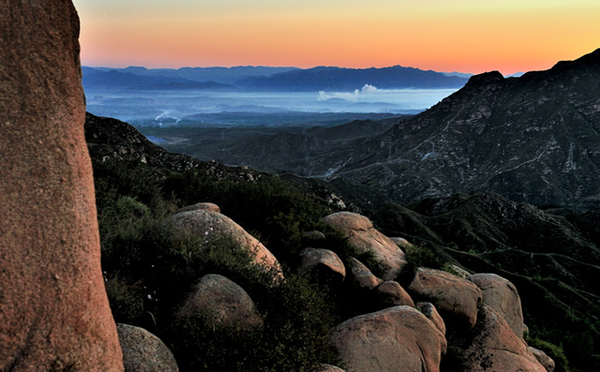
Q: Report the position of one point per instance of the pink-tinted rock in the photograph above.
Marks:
(503, 297)
(391, 293)
(362, 277)
(457, 299)
(222, 302)
(496, 348)
(432, 314)
(399, 338)
(365, 238)
(54, 313)
(210, 225)
(324, 264)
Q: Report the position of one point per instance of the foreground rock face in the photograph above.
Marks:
(209, 224)
(365, 238)
(399, 338)
(54, 310)
(144, 352)
(222, 302)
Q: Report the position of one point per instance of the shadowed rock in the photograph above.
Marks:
(362, 277)
(365, 238)
(543, 358)
(54, 310)
(391, 293)
(144, 352)
(221, 302)
(324, 264)
(395, 339)
(432, 314)
(503, 297)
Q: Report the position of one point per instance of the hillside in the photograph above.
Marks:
(552, 256)
(533, 139)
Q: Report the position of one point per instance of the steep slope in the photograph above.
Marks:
(535, 138)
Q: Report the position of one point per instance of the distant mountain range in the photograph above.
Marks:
(532, 139)
(266, 78)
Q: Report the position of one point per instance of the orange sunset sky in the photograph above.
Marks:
(443, 35)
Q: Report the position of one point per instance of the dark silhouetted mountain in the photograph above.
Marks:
(535, 139)
(130, 78)
(348, 79)
(223, 75)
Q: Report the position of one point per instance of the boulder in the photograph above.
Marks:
(144, 352)
(324, 264)
(54, 309)
(222, 302)
(503, 297)
(391, 293)
(365, 238)
(210, 225)
(457, 299)
(204, 206)
(543, 358)
(432, 314)
(496, 348)
(362, 277)
(399, 338)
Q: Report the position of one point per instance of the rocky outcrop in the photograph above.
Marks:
(221, 302)
(496, 348)
(502, 296)
(365, 238)
(457, 299)
(324, 264)
(55, 313)
(395, 339)
(210, 225)
(144, 352)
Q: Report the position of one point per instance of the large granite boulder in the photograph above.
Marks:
(365, 238)
(399, 338)
(209, 224)
(502, 296)
(496, 348)
(144, 352)
(457, 299)
(54, 312)
(221, 302)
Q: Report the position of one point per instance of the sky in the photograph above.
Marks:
(471, 36)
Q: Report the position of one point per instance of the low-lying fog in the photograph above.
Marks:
(200, 107)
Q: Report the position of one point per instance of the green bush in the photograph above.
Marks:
(149, 271)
